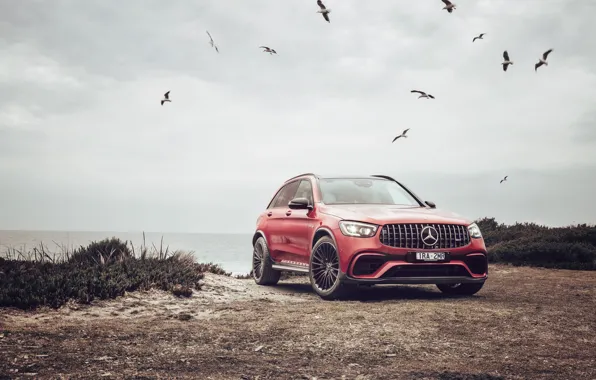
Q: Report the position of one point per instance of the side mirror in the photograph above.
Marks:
(431, 204)
(300, 204)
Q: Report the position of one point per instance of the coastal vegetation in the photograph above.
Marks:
(530, 244)
(102, 270)
(108, 268)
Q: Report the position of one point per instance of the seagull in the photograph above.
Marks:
(268, 50)
(479, 37)
(166, 98)
(504, 179)
(213, 45)
(403, 134)
(506, 60)
(423, 94)
(324, 11)
(449, 6)
(542, 60)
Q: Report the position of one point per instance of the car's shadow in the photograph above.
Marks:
(377, 293)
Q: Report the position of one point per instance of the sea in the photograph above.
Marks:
(232, 251)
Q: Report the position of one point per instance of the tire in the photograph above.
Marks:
(324, 270)
(262, 271)
(460, 289)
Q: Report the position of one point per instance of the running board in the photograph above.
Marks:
(290, 267)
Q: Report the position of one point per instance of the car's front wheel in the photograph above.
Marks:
(262, 270)
(324, 270)
(461, 289)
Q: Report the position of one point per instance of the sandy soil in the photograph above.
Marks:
(524, 324)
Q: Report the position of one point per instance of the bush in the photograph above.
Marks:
(103, 270)
(572, 247)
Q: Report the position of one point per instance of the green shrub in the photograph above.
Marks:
(89, 274)
(102, 252)
(572, 247)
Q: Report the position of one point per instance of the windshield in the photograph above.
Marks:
(364, 191)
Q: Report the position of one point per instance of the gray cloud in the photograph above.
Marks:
(82, 130)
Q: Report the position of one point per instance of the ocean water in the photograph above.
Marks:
(232, 251)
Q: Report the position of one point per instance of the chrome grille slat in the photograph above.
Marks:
(407, 235)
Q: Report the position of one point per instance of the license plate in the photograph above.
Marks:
(430, 256)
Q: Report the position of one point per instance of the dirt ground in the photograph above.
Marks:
(526, 323)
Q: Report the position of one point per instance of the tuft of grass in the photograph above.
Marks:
(530, 244)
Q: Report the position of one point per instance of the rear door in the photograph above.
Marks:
(300, 225)
(276, 216)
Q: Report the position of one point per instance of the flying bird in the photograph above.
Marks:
(403, 134)
(166, 98)
(423, 94)
(449, 6)
(324, 11)
(506, 61)
(268, 50)
(479, 37)
(542, 60)
(213, 45)
(504, 179)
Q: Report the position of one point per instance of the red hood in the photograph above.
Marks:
(382, 214)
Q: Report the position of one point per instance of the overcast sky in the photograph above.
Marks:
(85, 144)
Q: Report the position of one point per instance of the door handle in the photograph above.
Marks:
(288, 213)
(269, 213)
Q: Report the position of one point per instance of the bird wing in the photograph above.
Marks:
(216, 48)
(475, 38)
(209, 34)
(430, 96)
(406, 131)
(546, 53)
(536, 66)
(273, 50)
(320, 4)
(167, 95)
(447, 2)
(505, 66)
(326, 17)
(396, 138)
(505, 177)
(162, 102)
(481, 35)
(263, 47)
(420, 92)
(506, 55)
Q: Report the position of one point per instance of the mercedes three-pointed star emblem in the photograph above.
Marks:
(429, 235)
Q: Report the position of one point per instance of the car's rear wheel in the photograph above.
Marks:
(324, 270)
(262, 270)
(461, 289)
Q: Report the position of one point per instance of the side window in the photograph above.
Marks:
(285, 195)
(305, 191)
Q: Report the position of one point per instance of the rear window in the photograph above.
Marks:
(364, 191)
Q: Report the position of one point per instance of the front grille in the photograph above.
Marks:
(408, 236)
(426, 270)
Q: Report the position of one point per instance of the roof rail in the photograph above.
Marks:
(302, 175)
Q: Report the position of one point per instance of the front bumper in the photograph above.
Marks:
(410, 280)
(367, 261)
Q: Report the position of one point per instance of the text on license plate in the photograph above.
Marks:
(430, 256)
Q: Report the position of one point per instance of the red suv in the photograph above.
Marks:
(365, 230)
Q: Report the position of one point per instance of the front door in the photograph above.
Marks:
(276, 221)
(300, 225)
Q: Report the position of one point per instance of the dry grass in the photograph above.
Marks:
(527, 323)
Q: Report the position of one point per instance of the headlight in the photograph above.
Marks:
(357, 229)
(474, 231)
